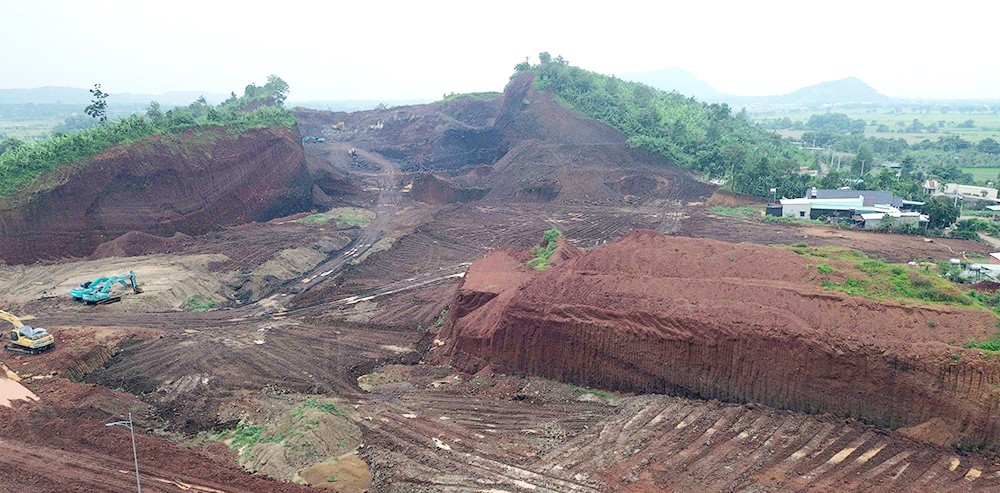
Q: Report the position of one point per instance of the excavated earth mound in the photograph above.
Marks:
(191, 183)
(138, 243)
(736, 322)
(434, 190)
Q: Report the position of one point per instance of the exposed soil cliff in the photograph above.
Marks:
(190, 183)
(736, 322)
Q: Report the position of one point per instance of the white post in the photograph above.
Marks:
(135, 454)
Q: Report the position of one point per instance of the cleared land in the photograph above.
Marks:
(315, 363)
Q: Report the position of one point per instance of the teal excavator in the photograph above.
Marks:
(98, 291)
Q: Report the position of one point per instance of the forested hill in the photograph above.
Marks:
(707, 138)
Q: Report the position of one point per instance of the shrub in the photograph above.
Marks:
(544, 253)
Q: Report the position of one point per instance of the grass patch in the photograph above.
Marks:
(789, 220)
(883, 281)
(544, 253)
(600, 394)
(737, 212)
(441, 318)
(242, 438)
(198, 304)
(470, 95)
(983, 174)
(343, 217)
(326, 407)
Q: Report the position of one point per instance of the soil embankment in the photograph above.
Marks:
(736, 322)
(190, 183)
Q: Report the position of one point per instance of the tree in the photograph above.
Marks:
(941, 211)
(99, 105)
(988, 145)
(523, 66)
(864, 159)
(73, 124)
(544, 57)
(277, 89)
(11, 143)
(153, 111)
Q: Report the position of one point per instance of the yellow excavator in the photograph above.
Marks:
(25, 339)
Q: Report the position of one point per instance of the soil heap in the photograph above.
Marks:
(736, 322)
(190, 183)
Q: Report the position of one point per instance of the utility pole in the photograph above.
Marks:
(862, 167)
(135, 454)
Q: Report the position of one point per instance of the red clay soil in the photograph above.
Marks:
(138, 243)
(725, 198)
(434, 190)
(736, 322)
(60, 444)
(191, 183)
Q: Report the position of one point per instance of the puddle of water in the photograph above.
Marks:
(13, 391)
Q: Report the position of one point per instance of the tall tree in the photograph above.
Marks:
(941, 211)
(277, 88)
(99, 105)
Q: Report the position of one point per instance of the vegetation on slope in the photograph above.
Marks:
(259, 107)
(882, 281)
(544, 253)
(343, 217)
(453, 96)
(707, 138)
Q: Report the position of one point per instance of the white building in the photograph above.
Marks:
(970, 191)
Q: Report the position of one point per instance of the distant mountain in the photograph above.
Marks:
(849, 91)
(677, 79)
(75, 95)
(843, 91)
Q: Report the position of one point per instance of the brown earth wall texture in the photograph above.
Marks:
(735, 322)
(163, 185)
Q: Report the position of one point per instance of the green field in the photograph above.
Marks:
(983, 174)
(986, 124)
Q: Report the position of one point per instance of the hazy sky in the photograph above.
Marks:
(386, 49)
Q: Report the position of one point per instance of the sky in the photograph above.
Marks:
(400, 50)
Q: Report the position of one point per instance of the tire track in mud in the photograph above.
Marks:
(717, 447)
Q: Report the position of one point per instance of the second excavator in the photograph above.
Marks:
(98, 291)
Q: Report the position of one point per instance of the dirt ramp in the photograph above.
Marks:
(730, 321)
(190, 183)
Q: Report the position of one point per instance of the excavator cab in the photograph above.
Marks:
(27, 340)
(85, 288)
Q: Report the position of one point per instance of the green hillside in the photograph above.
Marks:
(22, 163)
(707, 138)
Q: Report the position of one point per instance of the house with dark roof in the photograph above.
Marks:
(865, 208)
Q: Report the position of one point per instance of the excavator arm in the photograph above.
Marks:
(16, 322)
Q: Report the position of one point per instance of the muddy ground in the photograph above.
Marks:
(309, 366)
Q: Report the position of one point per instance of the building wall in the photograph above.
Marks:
(971, 191)
(796, 210)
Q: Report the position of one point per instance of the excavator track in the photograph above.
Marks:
(23, 350)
